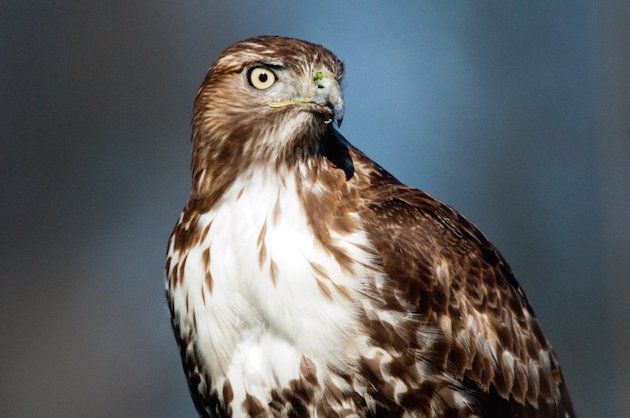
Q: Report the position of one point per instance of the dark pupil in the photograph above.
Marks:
(262, 77)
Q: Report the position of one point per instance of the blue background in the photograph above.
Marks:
(515, 113)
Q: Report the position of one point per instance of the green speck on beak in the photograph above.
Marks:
(319, 75)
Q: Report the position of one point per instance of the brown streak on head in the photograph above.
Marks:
(233, 125)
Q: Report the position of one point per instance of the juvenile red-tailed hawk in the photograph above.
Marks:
(304, 280)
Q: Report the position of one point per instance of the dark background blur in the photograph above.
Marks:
(515, 113)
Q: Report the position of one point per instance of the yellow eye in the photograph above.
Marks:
(261, 78)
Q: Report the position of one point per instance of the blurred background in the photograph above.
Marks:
(515, 113)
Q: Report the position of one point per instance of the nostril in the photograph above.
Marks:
(319, 86)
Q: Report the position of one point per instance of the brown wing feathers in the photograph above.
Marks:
(460, 284)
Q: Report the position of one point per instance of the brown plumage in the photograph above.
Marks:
(304, 280)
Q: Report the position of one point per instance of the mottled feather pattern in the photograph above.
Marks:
(304, 280)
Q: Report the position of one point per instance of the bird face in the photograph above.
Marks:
(267, 90)
(316, 91)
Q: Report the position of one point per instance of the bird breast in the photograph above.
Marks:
(263, 293)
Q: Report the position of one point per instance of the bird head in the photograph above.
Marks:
(268, 98)
(323, 94)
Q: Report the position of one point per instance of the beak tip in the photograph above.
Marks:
(338, 111)
(330, 97)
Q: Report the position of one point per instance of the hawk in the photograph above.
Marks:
(304, 280)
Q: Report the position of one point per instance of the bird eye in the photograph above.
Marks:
(261, 78)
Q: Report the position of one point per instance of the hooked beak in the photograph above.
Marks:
(329, 95)
(327, 101)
